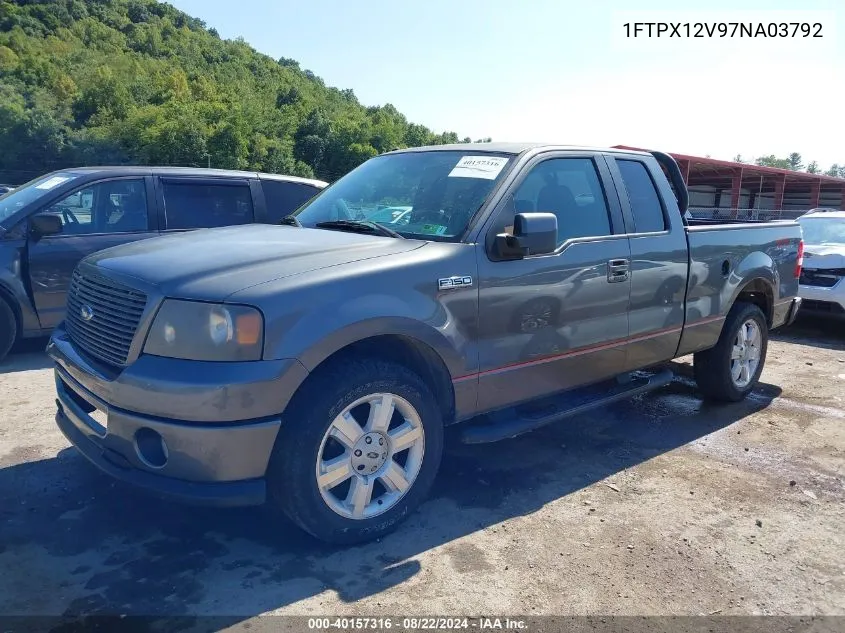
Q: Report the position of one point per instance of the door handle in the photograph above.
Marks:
(618, 270)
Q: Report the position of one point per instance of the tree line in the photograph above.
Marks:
(85, 82)
(795, 162)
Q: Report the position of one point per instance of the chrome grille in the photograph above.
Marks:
(117, 310)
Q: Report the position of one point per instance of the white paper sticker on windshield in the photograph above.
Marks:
(487, 167)
(55, 181)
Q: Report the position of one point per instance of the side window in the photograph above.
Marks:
(283, 198)
(113, 206)
(203, 206)
(645, 203)
(570, 188)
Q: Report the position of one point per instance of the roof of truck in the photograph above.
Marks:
(512, 148)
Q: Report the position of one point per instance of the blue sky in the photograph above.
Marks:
(562, 71)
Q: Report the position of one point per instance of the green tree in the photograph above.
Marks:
(140, 82)
(773, 161)
(836, 171)
(795, 163)
(813, 168)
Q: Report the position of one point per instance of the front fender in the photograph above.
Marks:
(317, 334)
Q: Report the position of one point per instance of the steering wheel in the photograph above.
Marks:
(341, 210)
(68, 216)
(428, 216)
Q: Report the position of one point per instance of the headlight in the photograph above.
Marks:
(206, 331)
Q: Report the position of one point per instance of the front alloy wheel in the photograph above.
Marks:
(363, 470)
(357, 451)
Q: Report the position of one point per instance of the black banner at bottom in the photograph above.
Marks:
(354, 623)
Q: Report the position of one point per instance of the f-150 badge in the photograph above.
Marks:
(458, 281)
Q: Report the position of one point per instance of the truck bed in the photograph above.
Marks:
(724, 255)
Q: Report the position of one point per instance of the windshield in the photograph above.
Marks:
(823, 230)
(425, 195)
(17, 199)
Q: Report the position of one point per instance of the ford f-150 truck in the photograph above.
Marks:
(314, 365)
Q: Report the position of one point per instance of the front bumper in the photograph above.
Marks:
(208, 462)
(821, 301)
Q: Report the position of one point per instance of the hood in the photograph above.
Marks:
(211, 264)
(819, 256)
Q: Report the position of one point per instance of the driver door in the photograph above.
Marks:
(95, 217)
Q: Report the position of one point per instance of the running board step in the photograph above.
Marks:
(502, 425)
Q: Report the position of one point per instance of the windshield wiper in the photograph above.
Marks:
(358, 226)
(290, 220)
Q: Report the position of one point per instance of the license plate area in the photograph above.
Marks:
(100, 417)
(97, 418)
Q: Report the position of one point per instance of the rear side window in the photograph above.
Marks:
(283, 198)
(645, 203)
(202, 206)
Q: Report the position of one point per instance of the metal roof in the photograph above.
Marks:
(750, 168)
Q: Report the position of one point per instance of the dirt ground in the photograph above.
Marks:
(662, 505)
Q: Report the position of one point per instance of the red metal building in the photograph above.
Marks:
(721, 188)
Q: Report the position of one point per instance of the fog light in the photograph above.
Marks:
(151, 448)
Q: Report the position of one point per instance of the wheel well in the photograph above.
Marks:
(759, 292)
(413, 354)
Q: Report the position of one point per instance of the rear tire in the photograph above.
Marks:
(8, 328)
(729, 371)
(341, 471)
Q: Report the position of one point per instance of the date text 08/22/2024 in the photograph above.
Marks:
(416, 623)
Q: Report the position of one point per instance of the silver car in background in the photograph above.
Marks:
(822, 282)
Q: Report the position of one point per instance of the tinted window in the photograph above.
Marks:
(203, 206)
(283, 198)
(569, 188)
(16, 199)
(645, 203)
(113, 206)
(440, 190)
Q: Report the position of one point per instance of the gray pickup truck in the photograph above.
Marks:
(315, 365)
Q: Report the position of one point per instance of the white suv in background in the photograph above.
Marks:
(822, 284)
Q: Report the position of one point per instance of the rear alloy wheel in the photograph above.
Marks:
(745, 353)
(357, 452)
(730, 369)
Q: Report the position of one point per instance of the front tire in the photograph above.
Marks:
(729, 371)
(8, 328)
(358, 450)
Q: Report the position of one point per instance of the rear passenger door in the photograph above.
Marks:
(283, 197)
(659, 259)
(187, 203)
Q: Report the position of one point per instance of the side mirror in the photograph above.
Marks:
(44, 224)
(533, 234)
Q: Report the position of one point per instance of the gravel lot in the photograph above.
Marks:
(663, 505)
